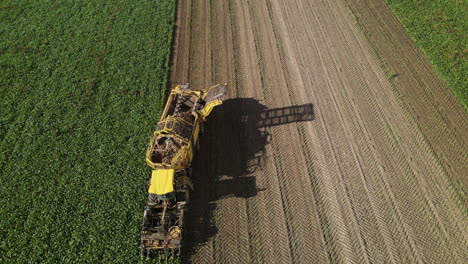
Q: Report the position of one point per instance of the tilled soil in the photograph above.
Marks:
(339, 142)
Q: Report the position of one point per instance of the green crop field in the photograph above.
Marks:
(440, 29)
(82, 84)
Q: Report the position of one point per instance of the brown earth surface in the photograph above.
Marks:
(339, 142)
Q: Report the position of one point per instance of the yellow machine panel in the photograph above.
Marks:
(162, 181)
(209, 106)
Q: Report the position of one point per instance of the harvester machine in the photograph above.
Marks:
(169, 155)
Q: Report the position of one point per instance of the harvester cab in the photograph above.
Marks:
(170, 154)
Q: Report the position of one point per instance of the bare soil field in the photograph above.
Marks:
(339, 143)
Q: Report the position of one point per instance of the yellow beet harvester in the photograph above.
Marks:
(169, 155)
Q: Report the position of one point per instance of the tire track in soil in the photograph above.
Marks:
(283, 31)
(415, 78)
(366, 181)
(231, 208)
(303, 248)
(271, 242)
(333, 95)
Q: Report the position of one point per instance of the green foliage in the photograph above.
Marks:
(440, 29)
(82, 84)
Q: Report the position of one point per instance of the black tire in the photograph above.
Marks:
(152, 198)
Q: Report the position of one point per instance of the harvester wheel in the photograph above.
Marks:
(175, 232)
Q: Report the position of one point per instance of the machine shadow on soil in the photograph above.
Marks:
(232, 148)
